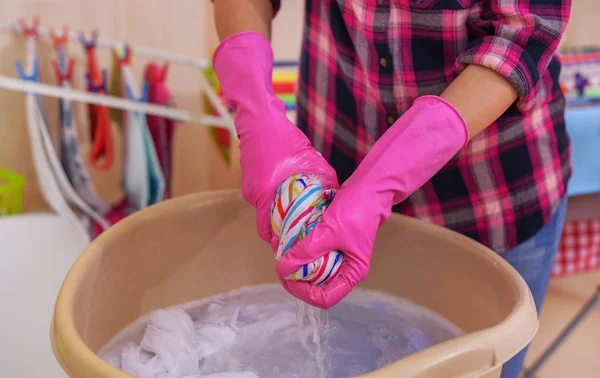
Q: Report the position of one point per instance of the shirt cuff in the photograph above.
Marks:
(276, 6)
(509, 60)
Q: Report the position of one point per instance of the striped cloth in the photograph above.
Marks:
(299, 205)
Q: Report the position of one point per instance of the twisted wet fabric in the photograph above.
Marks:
(299, 205)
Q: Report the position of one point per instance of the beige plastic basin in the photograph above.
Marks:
(204, 244)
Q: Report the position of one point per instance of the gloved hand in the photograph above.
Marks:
(411, 151)
(271, 147)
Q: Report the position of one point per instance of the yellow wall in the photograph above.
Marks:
(186, 28)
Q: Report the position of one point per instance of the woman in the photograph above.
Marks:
(446, 110)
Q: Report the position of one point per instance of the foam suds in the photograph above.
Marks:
(261, 331)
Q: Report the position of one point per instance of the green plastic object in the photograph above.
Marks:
(592, 93)
(11, 192)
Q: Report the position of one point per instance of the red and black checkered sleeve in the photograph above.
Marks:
(517, 39)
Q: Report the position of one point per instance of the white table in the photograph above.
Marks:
(36, 252)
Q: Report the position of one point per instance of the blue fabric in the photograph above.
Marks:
(534, 260)
(583, 127)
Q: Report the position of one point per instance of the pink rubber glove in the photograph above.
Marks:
(415, 148)
(271, 147)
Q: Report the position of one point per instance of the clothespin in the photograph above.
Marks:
(143, 98)
(91, 43)
(98, 88)
(33, 77)
(59, 41)
(30, 31)
(61, 75)
(123, 54)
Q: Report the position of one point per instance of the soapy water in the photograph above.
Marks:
(261, 331)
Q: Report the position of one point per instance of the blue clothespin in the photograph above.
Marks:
(33, 77)
(143, 98)
(145, 91)
(91, 43)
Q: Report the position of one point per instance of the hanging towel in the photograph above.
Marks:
(135, 170)
(70, 156)
(101, 153)
(161, 129)
(116, 87)
(299, 205)
(93, 75)
(55, 187)
(142, 175)
(117, 213)
(42, 124)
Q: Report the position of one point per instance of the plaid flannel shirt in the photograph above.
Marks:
(364, 62)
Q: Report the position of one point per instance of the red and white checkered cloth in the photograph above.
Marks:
(579, 248)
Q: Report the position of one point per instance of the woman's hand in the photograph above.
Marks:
(271, 152)
(349, 225)
(271, 147)
(416, 147)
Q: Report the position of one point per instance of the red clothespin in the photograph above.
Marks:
(66, 76)
(30, 31)
(59, 41)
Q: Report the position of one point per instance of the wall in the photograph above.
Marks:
(581, 30)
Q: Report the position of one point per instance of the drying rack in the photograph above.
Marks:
(224, 120)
